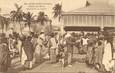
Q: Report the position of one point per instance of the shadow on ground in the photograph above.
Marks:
(19, 69)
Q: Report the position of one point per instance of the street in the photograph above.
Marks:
(77, 67)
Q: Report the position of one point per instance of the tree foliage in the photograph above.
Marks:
(57, 10)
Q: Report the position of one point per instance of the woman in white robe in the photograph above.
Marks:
(19, 46)
(23, 57)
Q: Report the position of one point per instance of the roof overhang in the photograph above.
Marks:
(93, 9)
(88, 13)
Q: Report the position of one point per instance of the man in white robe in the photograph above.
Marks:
(107, 56)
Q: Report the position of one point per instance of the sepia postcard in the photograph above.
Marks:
(57, 36)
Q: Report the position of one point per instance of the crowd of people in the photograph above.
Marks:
(32, 48)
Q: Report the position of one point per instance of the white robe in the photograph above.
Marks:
(107, 56)
(18, 46)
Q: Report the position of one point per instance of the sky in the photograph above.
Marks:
(68, 5)
(7, 6)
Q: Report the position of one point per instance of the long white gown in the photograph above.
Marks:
(107, 56)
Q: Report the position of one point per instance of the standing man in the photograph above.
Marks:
(107, 55)
(70, 42)
(84, 44)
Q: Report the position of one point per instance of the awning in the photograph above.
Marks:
(110, 29)
(78, 28)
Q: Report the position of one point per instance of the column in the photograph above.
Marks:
(102, 25)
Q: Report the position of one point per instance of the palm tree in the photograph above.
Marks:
(48, 28)
(17, 15)
(57, 10)
(29, 18)
(42, 18)
(87, 3)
